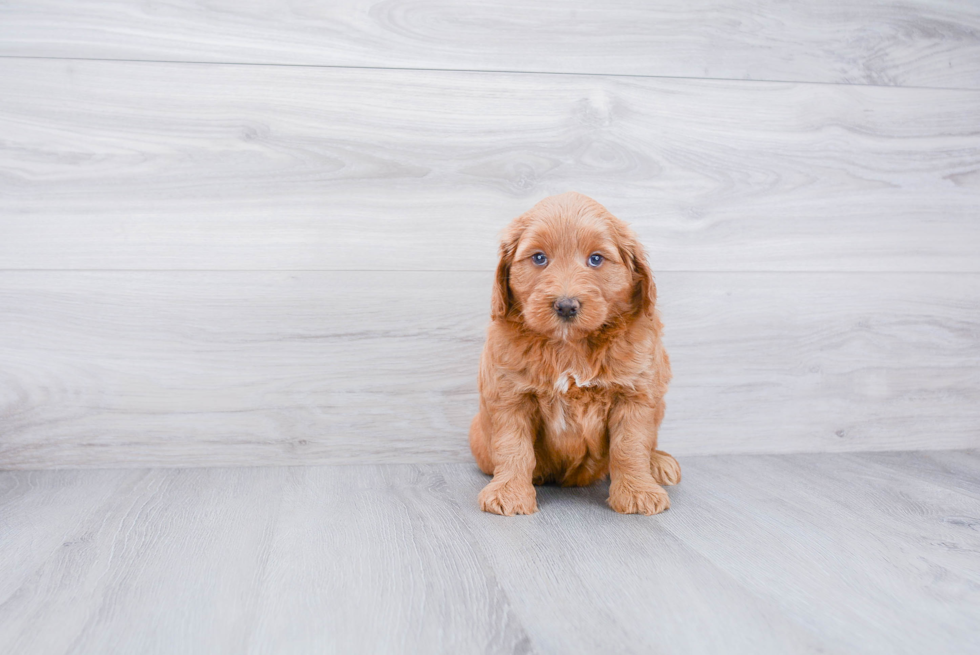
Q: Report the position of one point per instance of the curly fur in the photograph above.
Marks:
(571, 401)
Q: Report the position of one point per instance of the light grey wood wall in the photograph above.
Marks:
(114, 368)
(232, 262)
(123, 165)
(932, 43)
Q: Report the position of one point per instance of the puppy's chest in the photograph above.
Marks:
(573, 406)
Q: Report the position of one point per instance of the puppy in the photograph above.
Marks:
(573, 373)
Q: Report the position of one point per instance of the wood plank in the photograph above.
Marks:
(920, 42)
(378, 560)
(619, 583)
(245, 368)
(869, 558)
(47, 517)
(245, 560)
(758, 554)
(116, 165)
(951, 469)
(139, 537)
(186, 366)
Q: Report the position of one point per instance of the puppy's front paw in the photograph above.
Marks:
(508, 498)
(664, 468)
(646, 499)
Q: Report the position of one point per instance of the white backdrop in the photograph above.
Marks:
(243, 235)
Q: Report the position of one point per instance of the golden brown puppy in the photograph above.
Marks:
(573, 374)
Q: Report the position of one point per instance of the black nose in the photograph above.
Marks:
(567, 308)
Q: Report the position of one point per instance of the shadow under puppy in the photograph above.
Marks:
(573, 373)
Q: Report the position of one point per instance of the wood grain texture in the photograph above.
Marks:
(870, 558)
(758, 554)
(617, 584)
(245, 368)
(116, 165)
(953, 469)
(923, 42)
(245, 560)
(859, 560)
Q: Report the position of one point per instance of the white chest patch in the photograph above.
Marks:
(564, 381)
(560, 417)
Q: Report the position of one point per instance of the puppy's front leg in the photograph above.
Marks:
(632, 435)
(512, 449)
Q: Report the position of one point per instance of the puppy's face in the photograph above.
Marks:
(570, 268)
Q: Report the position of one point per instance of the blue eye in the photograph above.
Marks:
(595, 259)
(539, 259)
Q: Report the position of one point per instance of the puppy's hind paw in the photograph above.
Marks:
(664, 468)
(648, 500)
(508, 498)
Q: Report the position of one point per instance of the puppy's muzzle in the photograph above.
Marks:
(567, 308)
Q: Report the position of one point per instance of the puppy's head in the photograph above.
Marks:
(568, 267)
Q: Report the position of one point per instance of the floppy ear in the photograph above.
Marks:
(502, 301)
(644, 288)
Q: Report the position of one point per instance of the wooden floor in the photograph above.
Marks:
(849, 553)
